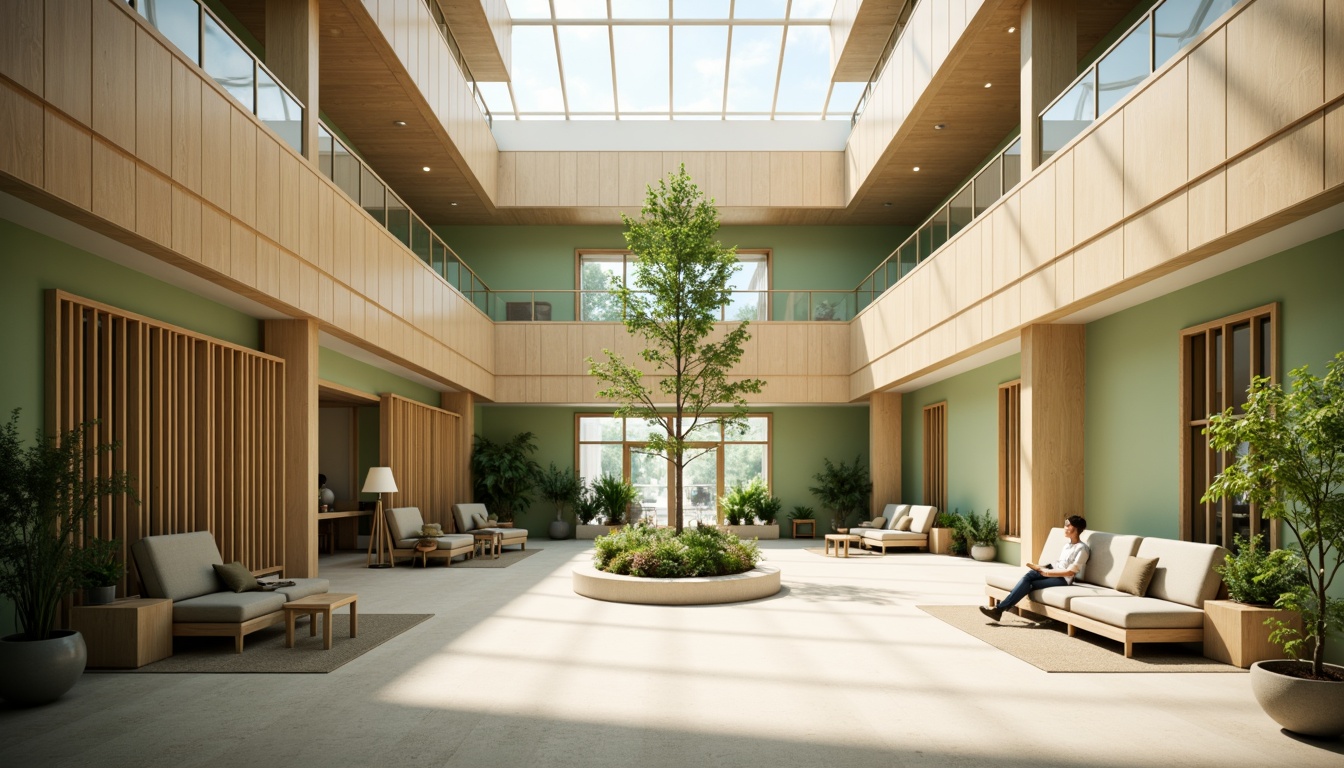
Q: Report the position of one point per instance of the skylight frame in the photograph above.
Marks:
(670, 22)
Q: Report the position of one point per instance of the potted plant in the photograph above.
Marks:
(586, 510)
(614, 496)
(982, 531)
(745, 504)
(99, 570)
(1237, 630)
(806, 513)
(48, 494)
(505, 474)
(944, 534)
(843, 488)
(1289, 448)
(560, 487)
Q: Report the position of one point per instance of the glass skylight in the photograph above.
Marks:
(671, 59)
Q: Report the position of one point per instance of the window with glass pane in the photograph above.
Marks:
(178, 20)
(1012, 165)
(229, 65)
(987, 186)
(1067, 118)
(1219, 360)
(1128, 64)
(1180, 21)
(599, 270)
(373, 195)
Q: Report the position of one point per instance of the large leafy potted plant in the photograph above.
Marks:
(843, 488)
(614, 496)
(1238, 629)
(505, 473)
(48, 493)
(561, 487)
(1289, 448)
(743, 505)
(982, 532)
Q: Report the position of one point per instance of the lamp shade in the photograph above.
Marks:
(379, 480)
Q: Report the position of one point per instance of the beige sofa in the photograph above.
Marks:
(1171, 611)
(180, 567)
(405, 524)
(473, 518)
(887, 537)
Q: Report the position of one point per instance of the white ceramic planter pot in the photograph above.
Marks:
(984, 552)
(41, 671)
(1308, 707)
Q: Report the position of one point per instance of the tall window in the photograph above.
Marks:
(613, 446)
(1218, 361)
(596, 270)
(935, 455)
(1010, 455)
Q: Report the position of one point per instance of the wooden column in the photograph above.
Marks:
(884, 448)
(1053, 378)
(296, 342)
(464, 405)
(1049, 33)
(292, 54)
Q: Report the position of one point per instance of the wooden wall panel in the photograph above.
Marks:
(68, 58)
(422, 444)
(113, 185)
(1052, 410)
(1207, 78)
(68, 160)
(1277, 174)
(21, 120)
(196, 419)
(884, 449)
(295, 342)
(114, 89)
(1153, 163)
(1264, 99)
(935, 455)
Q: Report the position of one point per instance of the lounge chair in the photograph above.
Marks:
(405, 524)
(473, 518)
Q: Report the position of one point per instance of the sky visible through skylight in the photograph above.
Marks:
(671, 60)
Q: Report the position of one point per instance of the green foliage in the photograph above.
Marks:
(586, 507)
(1289, 449)
(48, 496)
(682, 274)
(743, 504)
(1256, 576)
(505, 473)
(802, 512)
(613, 497)
(843, 488)
(955, 521)
(980, 529)
(561, 487)
(98, 563)
(642, 550)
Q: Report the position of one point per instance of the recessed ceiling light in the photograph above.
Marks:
(886, 205)
(916, 169)
(425, 169)
(399, 123)
(1011, 30)
(939, 126)
(988, 84)
(452, 203)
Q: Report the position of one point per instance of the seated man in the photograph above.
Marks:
(1065, 568)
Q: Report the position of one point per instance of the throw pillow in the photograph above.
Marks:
(1136, 575)
(904, 523)
(236, 577)
(877, 522)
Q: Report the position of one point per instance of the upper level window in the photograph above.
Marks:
(598, 268)
(1218, 361)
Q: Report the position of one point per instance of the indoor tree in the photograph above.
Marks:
(844, 488)
(681, 279)
(1289, 448)
(505, 473)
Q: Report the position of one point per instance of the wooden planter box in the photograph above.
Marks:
(752, 531)
(940, 541)
(1235, 633)
(593, 531)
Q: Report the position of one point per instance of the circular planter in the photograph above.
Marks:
(984, 552)
(40, 671)
(755, 584)
(100, 595)
(1308, 707)
(561, 529)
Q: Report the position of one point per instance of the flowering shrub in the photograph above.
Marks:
(642, 550)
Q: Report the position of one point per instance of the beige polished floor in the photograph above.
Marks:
(840, 669)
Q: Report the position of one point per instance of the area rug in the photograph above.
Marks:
(506, 558)
(854, 553)
(264, 651)
(1047, 645)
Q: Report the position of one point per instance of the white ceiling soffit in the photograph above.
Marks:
(671, 136)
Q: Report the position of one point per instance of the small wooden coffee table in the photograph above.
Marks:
(320, 605)
(834, 540)
(488, 541)
(424, 547)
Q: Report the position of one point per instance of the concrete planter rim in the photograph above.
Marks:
(758, 583)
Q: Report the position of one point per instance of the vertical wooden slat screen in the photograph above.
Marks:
(935, 455)
(196, 419)
(1010, 456)
(420, 443)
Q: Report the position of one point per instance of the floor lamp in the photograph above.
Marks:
(379, 481)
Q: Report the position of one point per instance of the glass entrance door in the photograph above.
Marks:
(700, 489)
(649, 475)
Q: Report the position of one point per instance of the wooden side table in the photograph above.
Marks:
(127, 633)
(811, 527)
(488, 541)
(319, 605)
(424, 547)
(836, 540)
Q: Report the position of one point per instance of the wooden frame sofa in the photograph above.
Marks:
(888, 536)
(1170, 611)
(405, 524)
(473, 518)
(180, 567)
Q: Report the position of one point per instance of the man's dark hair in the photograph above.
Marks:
(1079, 524)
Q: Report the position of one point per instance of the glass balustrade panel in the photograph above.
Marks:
(420, 239)
(178, 20)
(1069, 116)
(229, 65)
(988, 186)
(1012, 166)
(398, 219)
(371, 193)
(279, 111)
(1178, 22)
(1128, 64)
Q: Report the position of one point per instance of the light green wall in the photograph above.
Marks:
(32, 263)
(1133, 360)
(821, 258)
(342, 369)
(972, 440)
(803, 436)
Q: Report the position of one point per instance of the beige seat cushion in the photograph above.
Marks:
(922, 517)
(178, 566)
(405, 523)
(889, 535)
(876, 522)
(507, 535)
(1184, 570)
(227, 607)
(1064, 597)
(1129, 612)
(895, 512)
(469, 517)
(304, 588)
